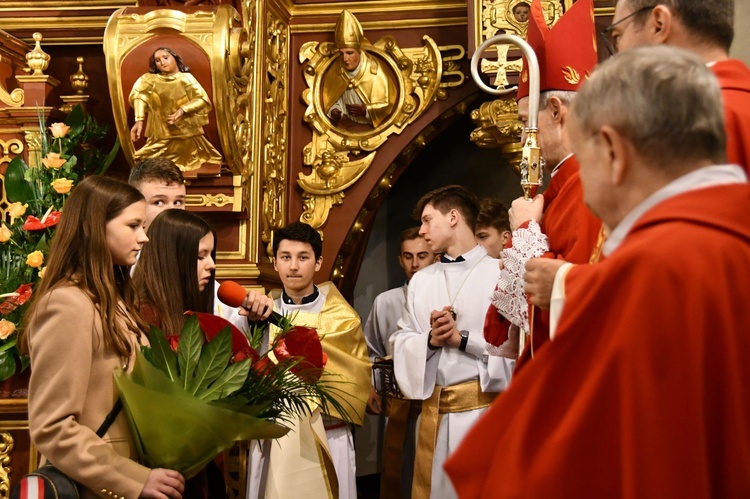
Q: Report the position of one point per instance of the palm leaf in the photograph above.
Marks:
(214, 358)
(189, 349)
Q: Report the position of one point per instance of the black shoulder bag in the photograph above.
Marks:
(48, 482)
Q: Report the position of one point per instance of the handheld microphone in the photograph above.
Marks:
(232, 294)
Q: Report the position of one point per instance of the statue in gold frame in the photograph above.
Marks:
(170, 109)
(359, 94)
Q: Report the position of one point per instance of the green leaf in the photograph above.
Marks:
(148, 353)
(189, 349)
(25, 361)
(16, 187)
(229, 382)
(163, 357)
(214, 358)
(110, 157)
(7, 365)
(76, 119)
(8, 345)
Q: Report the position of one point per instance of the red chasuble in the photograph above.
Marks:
(573, 232)
(734, 79)
(644, 391)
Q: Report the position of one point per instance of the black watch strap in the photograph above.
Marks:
(464, 340)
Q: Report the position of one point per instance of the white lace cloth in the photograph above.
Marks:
(509, 297)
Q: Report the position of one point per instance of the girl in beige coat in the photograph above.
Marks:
(81, 327)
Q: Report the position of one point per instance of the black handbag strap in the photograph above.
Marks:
(109, 419)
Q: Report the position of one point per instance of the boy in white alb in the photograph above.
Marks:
(439, 350)
(397, 463)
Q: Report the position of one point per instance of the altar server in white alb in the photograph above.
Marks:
(388, 307)
(439, 349)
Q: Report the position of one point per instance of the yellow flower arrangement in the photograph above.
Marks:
(36, 198)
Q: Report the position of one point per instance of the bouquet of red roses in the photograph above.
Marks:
(213, 388)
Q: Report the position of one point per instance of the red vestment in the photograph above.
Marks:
(644, 391)
(573, 232)
(734, 79)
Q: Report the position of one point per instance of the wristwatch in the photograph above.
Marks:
(464, 340)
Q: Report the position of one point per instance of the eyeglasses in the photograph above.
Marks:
(605, 34)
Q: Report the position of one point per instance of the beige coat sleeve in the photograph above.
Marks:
(70, 393)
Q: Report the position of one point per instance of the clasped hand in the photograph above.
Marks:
(443, 328)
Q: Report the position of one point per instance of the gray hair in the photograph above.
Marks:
(710, 21)
(565, 96)
(664, 100)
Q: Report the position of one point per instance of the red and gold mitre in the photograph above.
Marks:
(566, 52)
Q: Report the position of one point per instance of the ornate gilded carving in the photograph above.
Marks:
(6, 448)
(497, 17)
(10, 149)
(358, 94)
(13, 98)
(80, 82)
(498, 126)
(497, 123)
(218, 33)
(242, 83)
(33, 139)
(275, 124)
(316, 207)
(37, 59)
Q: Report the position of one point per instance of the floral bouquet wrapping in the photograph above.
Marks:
(189, 397)
(36, 196)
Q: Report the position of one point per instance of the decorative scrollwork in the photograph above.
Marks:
(275, 124)
(498, 126)
(391, 87)
(10, 149)
(6, 448)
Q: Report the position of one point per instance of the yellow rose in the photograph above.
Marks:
(35, 259)
(62, 185)
(6, 329)
(53, 160)
(5, 233)
(42, 271)
(16, 210)
(59, 130)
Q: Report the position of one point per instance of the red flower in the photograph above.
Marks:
(244, 353)
(33, 223)
(174, 340)
(303, 342)
(264, 366)
(211, 325)
(10, 304)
